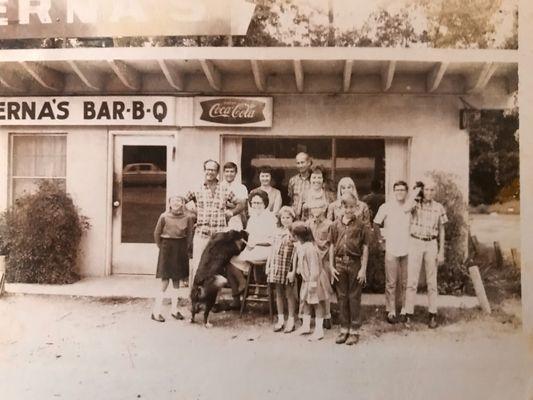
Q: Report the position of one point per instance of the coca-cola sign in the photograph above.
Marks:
(233, 111)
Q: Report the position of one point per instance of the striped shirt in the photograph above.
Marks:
(210, 207)
(426, 218)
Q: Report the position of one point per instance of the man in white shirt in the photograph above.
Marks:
(241, 195)
(395, 221)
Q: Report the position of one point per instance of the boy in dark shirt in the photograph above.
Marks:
(350, 239)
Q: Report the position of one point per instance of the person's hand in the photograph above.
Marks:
(228, 214)
(290, 277)
(381, 244)
(361, 276)
(440, 257)
(334, 275)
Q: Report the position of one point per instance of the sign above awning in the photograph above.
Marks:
(22, 19)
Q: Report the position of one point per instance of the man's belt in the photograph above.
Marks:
(425, 239)
(346, 259)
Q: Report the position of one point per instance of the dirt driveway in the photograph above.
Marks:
(78, 348)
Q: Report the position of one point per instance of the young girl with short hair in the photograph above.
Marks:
(316, 288)
(173, 235)
(280, 271)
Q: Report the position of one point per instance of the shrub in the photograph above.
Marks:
(40, 235)
(453, 276)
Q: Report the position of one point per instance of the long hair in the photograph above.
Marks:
(346, 181)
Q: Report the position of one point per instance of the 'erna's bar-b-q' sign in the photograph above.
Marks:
(22, 19)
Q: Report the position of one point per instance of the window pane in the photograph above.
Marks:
(280, 155)
(35, 156)
(363, 160)
(144, 191)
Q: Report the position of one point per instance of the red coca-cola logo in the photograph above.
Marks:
(232, 111)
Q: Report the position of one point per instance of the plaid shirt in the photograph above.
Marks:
(297, 186)
(426, 218)
(210, 208)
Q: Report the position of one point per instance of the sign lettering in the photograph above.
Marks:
(112, 110)
(233, 111)
(22, 19)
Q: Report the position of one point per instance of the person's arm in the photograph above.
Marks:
(158, 230)
(410, 202)
(361, 275)
(333, 270)
(440, 254)
(190, 235)
(277, 202)
(313, 260)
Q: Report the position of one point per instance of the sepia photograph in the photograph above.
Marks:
(266, 199)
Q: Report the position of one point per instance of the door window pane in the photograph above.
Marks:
(144, 191)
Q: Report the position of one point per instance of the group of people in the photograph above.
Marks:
(315, 249)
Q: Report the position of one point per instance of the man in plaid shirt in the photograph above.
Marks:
(211, 212)
(300, 183)
(426, 245)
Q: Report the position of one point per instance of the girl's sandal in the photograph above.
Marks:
(278, 327)
(159, 318)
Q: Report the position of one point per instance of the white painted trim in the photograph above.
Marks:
(46, 77)
(172, 75)
(127, 75)
(262, 53)
(212, 74)
(89, 78)
(434, 78)
(387, 75)
(299, 74)
(480, 81)
(347, 75)
(259, 75)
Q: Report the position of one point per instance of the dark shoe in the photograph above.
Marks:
(217, 308)
(326, 324)
(432, 323)
(235, 304)
(391, 319)
(341, 338)
(179, 316)
(159, 318)
(353, 338)
(406, 319)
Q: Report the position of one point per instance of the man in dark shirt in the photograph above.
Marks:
(349, 239)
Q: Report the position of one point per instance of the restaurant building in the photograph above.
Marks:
(121, 129)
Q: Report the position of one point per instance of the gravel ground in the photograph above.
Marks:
(54, 347)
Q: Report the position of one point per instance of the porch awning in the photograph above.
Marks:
(254, 71)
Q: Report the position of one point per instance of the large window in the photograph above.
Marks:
(361, 159)
(34, 158)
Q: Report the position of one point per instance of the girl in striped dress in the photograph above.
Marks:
(280, 271)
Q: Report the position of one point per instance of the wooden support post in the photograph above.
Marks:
(475, 276)
(498, 254)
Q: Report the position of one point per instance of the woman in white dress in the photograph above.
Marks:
(261, 228)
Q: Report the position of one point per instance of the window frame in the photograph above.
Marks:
(11, 159)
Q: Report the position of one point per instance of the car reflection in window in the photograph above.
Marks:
(143, 174)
